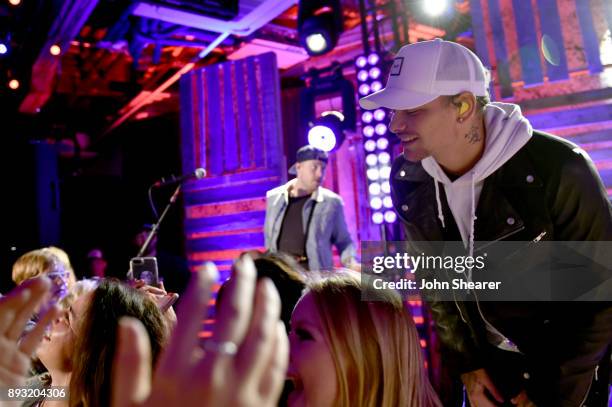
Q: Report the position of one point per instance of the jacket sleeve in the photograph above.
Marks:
(268, 223)
(582, 212)
(341, 237)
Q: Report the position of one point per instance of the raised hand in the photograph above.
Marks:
(243, 364)
(16, 309)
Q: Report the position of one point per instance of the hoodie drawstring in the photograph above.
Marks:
(473, 218)
(440, 214)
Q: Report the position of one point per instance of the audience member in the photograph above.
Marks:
(173, 270)
(349, 352)
(242, 365)
(16, 309)
(44, 262)
(96, 264)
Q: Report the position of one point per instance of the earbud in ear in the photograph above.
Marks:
(464, 107)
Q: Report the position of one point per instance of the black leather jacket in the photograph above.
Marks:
(551, 186)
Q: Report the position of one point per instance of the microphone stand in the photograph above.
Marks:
(155, 227)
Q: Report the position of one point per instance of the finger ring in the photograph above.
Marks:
(226, 348)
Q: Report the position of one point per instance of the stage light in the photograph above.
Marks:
(375, 72)
(390, 216)
(387, 202)
(382, 143)
(362, 76)
(374, 188)
(366, 117)
(384, 158)
(316, 43)
(435, 7)
(385, 187)
(14, 2)
(319, 25)
(327, 132)
(322, 137)
(368, 131)
(3, 49)
(13, 84)
(370, 145)
(376, 203)
(55, 50)
(385, 172)
(361, 62)
(364, 89)
(377, 218)
(379, 114)
(381, 129)
(376, 86)
(373, 174)
(371, 160)
(373, 59)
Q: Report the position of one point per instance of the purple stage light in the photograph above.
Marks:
(382, 143)
(373, 174)
(376, 203)
(375, 72)
(3, 49)
(370, 145)
(385, 172)
(384, 158)
(390, 216)
(364, 89)
(387, 202)
(379, 114)
(376, 86)
(366, 117)
(381, 129)
(377, 218)
(373, 59)
(368, 131)
(385, 187)
(371, 160)
(362, 76)
(361, 62)
(374, 188)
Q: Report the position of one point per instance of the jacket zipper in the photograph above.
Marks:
(500, 238)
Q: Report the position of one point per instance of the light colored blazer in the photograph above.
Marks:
(327, 227)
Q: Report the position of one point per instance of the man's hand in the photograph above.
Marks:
(243, 365)
(475, 384)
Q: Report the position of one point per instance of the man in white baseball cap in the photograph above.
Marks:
(476, 170)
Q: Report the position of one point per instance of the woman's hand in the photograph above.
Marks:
(243, 364)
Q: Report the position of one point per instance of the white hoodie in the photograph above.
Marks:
(507, 131)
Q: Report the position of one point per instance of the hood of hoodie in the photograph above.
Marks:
(507, 131)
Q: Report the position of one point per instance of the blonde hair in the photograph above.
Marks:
(374, 345)
(33, 264)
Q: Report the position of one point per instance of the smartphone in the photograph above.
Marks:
(145, 268)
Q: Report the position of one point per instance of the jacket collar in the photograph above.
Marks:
(516, 174)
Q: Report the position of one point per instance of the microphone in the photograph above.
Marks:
(198, 173)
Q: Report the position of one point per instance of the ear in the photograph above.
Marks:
(466, 106)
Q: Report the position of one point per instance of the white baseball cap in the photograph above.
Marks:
(425, 70)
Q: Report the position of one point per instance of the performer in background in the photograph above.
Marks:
(304, 219)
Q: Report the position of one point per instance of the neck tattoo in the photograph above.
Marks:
(473, 136)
